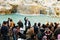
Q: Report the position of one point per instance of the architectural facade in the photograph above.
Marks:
(34, 6)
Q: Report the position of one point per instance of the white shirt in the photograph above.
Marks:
(27, 24)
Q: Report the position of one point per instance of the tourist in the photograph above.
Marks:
(40, 33)
(49, 31)
(39, 25)
(8, 22)
(14, 33)
(44, 26)
(30, 32)
(51, 27)
(55, 25)
(11, 25)
(47, 24)
(25, 19)
(27, 25)
(35, 28)
(57, 32)
(20, 24)
(4, 31)
(31, 35)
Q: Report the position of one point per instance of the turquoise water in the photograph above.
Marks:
(41, 18)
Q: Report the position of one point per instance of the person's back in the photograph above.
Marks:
(11, 25)
(4, 31)
(30, 31)
(56, 32)
(35, 28)
(20, 24)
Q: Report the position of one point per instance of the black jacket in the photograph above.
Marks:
(4, 30)
(36, 29)
(29, 24)
(20, 24)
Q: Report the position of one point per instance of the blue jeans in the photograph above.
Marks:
(14, 37)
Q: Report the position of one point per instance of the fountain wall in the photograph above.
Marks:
(34, 6)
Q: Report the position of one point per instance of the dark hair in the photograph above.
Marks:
(43, 25)
(10, 19)
(39, 24)
(35, 24)
(4, 22)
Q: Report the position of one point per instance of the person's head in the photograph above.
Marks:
(35, 24)
(4, 23)
(8, 19)
(43, 25)
(51, 24)
(27, 19)
(55, 23)
(39, 24)
(47, 24)
(11, 20)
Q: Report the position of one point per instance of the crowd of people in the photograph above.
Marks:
(10, 31)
